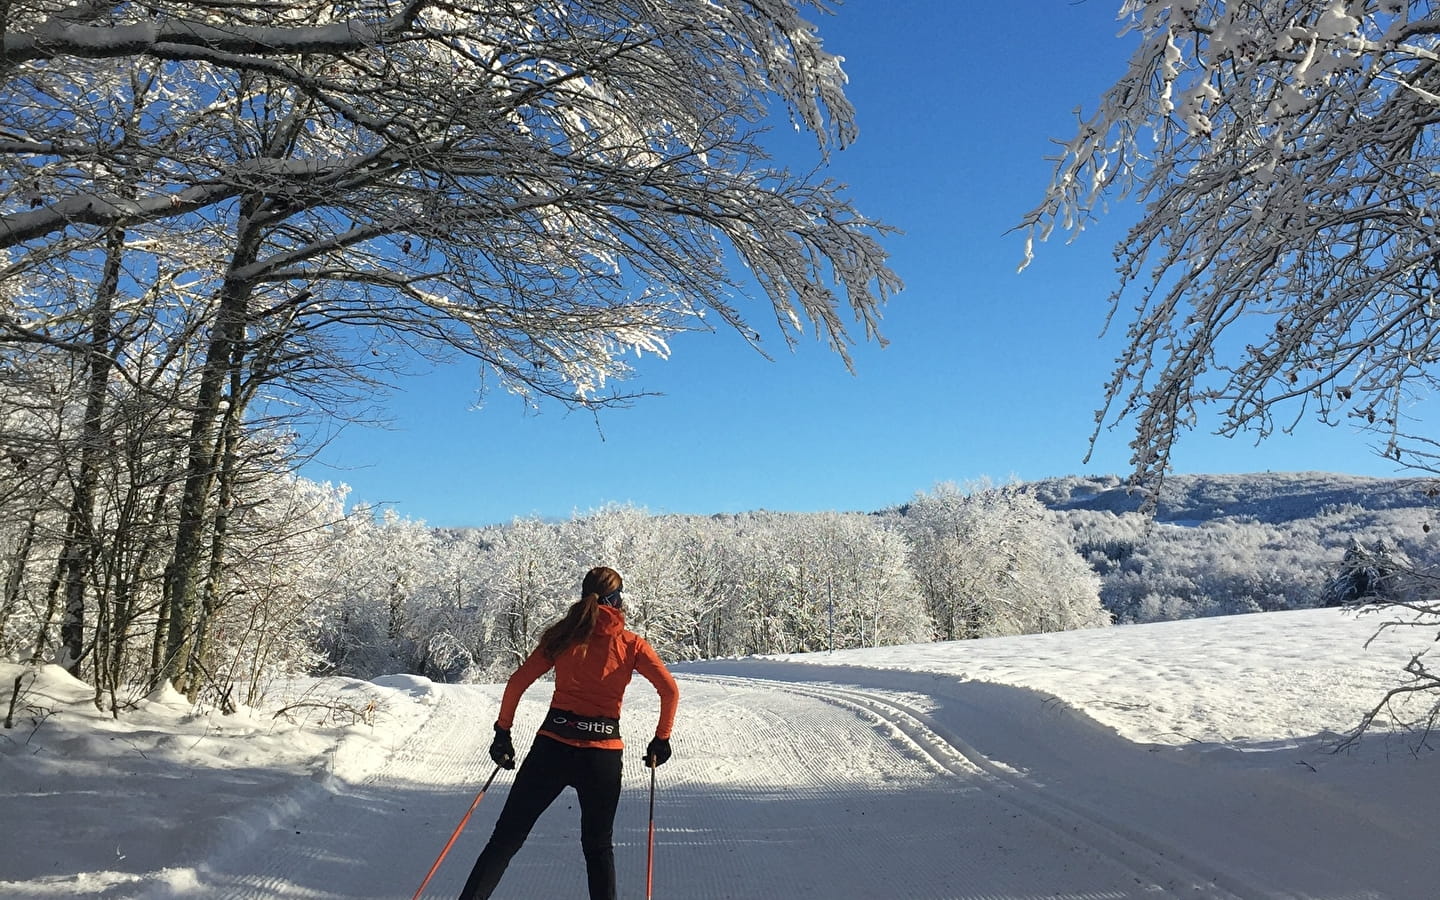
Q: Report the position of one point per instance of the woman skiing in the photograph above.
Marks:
(578, 744)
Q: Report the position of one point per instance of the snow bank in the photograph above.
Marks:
(1253, 679)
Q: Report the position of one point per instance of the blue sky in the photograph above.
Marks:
(989, 373)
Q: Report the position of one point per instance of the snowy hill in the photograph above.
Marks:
(1226, 544)
(1271, 497)
(1175, 759)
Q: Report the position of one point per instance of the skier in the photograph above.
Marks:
(578, 744)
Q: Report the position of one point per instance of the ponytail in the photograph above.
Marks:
(574, 628)
(579, 621)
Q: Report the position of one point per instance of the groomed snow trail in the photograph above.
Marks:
(775, 791)
(1194, 821)
(796, 782)
(1151, 862)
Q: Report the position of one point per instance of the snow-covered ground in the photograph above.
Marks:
(1185, 759)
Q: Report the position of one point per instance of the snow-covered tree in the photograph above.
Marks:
(533, 581)
(384, 582)
(1285, 153)
(543, 187)
(283, 557)
(1377, 574)
(993, 561)
(702, 556)
(1287, 156)
(870, 595)
(453, 630)
(546, 189)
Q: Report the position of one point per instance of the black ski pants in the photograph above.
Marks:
(548, 769)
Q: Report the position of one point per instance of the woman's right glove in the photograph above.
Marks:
(657, 753)
(501, 750)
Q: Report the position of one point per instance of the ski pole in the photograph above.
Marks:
(458, 828)
(650, 851)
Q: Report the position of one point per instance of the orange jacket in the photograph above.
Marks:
(590, 678)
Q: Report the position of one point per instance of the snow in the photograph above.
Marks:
(1188, 758)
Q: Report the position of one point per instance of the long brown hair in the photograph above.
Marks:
(579, 621)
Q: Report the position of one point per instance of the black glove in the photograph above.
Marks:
(501, 750)
(657, 753)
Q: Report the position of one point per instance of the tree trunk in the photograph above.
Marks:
(134, 544)
(15, 578)
(211, 595)
(78, 555)
(162, 615)
(183, 573)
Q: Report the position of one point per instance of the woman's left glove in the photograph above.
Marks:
(657, 753)
(501, 749)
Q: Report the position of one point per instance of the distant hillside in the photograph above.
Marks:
(1224, 544)
(1273, 497)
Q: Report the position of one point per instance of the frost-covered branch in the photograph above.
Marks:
(182, 37)
(1284, 154)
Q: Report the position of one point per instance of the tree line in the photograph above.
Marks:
(313, 588)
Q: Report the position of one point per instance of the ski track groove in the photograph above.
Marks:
(1165, 866)
(798, 815)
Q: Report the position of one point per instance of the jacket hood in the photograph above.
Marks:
(609, 620)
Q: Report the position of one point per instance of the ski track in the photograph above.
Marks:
(777, 790)
(1155, 865)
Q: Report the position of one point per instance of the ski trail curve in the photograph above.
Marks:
(783, 794)
(1157, 865)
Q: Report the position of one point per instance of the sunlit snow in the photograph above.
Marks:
(1187, 758)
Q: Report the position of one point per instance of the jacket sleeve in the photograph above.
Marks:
(536, 665)
(647, 663)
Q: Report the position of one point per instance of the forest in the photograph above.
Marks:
(313, 587)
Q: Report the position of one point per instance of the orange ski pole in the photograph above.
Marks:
(458, 828)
